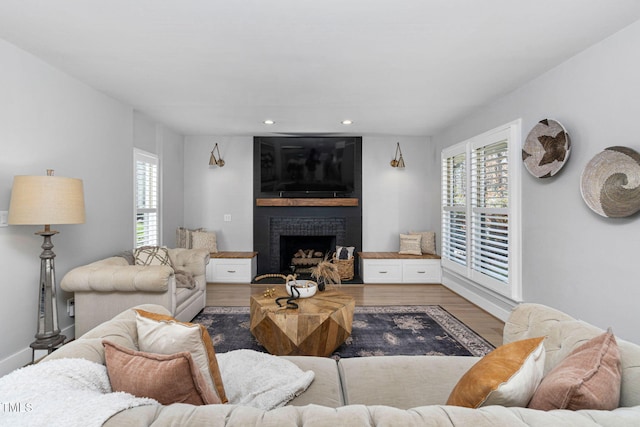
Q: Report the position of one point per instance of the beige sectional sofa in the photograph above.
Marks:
(389, 390)
(106, 287)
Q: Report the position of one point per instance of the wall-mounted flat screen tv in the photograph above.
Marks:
(308, 166)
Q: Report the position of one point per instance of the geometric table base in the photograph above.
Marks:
(317, 327)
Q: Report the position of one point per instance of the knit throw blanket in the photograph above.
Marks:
(62, 392)
(260, 380)
(184, 279)
(77, 392)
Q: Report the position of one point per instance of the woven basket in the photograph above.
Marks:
(345, 267)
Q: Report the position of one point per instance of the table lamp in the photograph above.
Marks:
(46, 200)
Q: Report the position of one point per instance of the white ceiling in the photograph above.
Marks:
(398, 67)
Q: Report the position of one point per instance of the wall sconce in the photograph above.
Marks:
(397, 162)
(212, 160)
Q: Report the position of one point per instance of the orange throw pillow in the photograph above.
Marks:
(588, 378)
(507, 376)
(172, 378)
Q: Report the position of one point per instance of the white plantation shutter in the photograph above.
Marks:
(481, 210)
(490, 210)
(146, 199)
(454, 218)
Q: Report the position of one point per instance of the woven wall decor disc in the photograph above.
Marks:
(546, 149)
(610, 183)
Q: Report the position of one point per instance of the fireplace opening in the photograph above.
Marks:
(299, 254)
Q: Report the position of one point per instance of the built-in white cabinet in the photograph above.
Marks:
(421, 271)
(381, 271)
(381, 267)
(232, 267)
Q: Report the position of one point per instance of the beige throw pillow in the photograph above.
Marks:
(508, 376)
(184, 237)
(410, 244)
(162, 334)
(204, 240)
(588, 378)
(428, 241)
(167, 378)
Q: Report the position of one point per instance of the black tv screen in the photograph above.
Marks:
(308, 166)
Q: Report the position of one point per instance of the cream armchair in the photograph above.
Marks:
(105, 288)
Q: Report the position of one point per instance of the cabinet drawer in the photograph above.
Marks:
(382, 271)
(234, 271)
(421, 271)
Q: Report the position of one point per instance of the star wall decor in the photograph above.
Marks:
(546, 149)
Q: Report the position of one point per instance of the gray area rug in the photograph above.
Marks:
(377, 331)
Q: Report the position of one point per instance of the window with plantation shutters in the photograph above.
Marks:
(454, 208)
(147, 216)
(481, 210)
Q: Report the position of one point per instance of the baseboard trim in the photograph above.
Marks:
(494, 304)
(15, 361)
(22, 357)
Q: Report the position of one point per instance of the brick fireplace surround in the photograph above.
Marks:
(273, 222)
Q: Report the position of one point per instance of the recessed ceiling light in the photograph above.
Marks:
(347, 122)
(269, 122)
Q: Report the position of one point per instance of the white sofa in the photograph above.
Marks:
(386, 390)
(107, 287)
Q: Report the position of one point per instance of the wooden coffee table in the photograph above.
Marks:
(316, 328)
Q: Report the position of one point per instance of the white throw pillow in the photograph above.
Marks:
(162, 334)
(348, 249)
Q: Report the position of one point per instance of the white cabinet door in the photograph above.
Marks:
(381, 271)
(231, 270)
(421, 271)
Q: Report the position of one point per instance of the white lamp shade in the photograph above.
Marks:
(45, 200)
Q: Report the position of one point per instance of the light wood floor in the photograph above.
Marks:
(489, 327)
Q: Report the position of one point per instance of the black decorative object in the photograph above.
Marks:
(321, 284)
(295, 294)
(344, 254)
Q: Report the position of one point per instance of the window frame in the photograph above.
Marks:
(512, 288)
(152, 160)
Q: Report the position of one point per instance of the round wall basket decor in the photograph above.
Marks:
(546, 149)
(610, 183)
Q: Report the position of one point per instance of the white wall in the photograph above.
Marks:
(168, 145)
(575, 260)
(212, 191)
(49, 120)
(172, 164)
(394, 200)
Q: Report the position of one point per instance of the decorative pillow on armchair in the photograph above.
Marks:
(152, 255)
(162, 334)
(508, 376)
